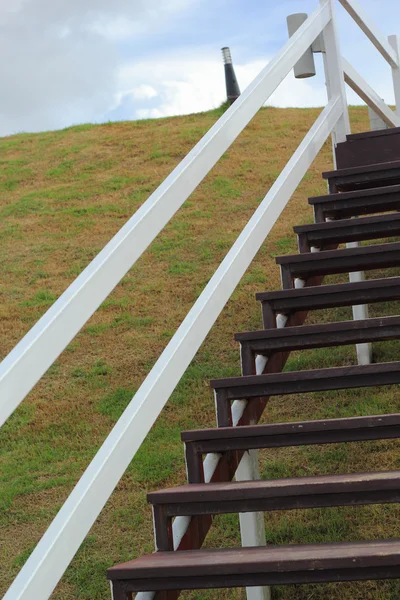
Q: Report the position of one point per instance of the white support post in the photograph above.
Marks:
(334, 73)
(335, 85)
(394, 41)
(252, 527)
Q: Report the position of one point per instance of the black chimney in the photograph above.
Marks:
(232, 86)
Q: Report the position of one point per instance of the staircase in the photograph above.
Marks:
(362, 185)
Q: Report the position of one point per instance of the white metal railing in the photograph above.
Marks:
(25, 365)
(370, 97)
(390, 50)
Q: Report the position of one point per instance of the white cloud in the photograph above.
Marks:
(149, 113)
(144, 92)
(68, 62)
(57, 68)
(186, 85)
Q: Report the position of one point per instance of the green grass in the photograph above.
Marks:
(65, 194)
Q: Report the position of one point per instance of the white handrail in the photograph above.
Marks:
(365, 23)
(365, 91)
(36, 352)
(52, 555)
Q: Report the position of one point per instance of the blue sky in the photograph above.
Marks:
(96, 60)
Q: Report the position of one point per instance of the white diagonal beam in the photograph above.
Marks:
(365, 91)
(365, 23)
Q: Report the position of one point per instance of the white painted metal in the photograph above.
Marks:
(364, 351)
(394, 41)
(364, 90)
(318, 44)
(334, 74)
(299, 283)
(335, 85)
(252, 526)
(364, 21)
(360, 312)
(31, 358)
(375, 122)
(281, 320)
(305, 67)
(57, 547)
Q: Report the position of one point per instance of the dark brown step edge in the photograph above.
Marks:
(266, 342)
(319, 491)
(244, 567)
(278, 435)
(355, 203)
(366, 176)
(322, 235)
(368, 148)
(372, 134)
(329, 262)
(276, 384)
(318, 297)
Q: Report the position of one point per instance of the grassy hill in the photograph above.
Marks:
(63, 195)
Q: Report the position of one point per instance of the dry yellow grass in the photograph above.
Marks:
(62, 197)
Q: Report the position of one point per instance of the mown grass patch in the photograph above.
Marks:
(63, 195)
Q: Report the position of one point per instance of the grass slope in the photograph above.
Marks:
(62, 196)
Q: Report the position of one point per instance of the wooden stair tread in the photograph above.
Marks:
(329, 234)
(368, 148)
(293, 428)
(271, 488)
(347, 223)
(356, 202)
(307, 557)
(329, 290)
(372, 134)
(333, 378)
(329, 262)
(377, 191)
(364, 176)
(384, 166)
(296, 336)
(281, 435)
(316, 257)
(319, 327)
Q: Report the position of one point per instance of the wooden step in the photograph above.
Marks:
(322, 235)
(363, 177)
(297, 382)
(244, 567)
(352, 204)
(318, 491)
(268, 341)
(277, 435)
(294, 300)
(328, 262)
(368, 148)
(373, 133)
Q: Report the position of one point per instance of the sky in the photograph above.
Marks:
(66, 62)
